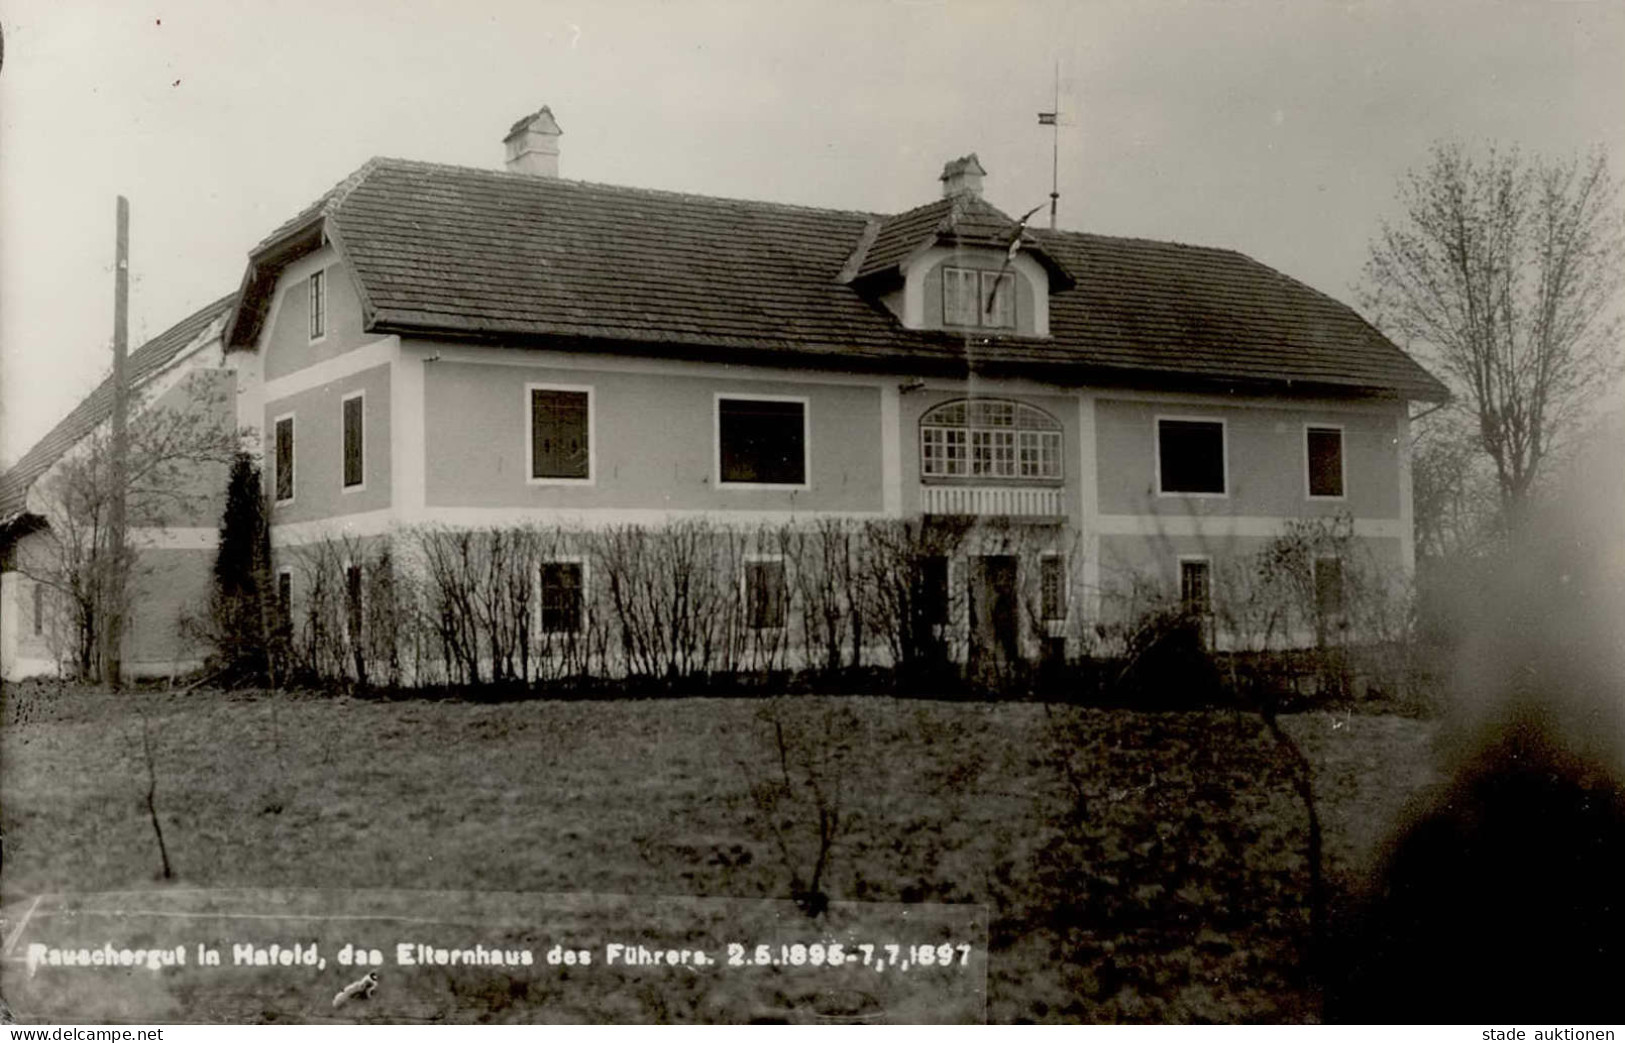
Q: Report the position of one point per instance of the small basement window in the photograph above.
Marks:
(762, 441)
(354, 592)
(561, 597)
(560, 434)
(1191, 457)
(766, 594)
(1196, 586)
(1324, 448)
(1052, 586)
(1328, 588)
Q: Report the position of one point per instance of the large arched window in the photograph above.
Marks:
(989, 438)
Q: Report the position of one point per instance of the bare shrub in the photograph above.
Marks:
(796, 771)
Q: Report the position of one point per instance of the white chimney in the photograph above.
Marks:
(533, 145)
(962, 176)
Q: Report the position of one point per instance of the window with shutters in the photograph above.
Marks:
(355, 460)
(562, 584)
(971, 297)
(1323, 450)
(990, 438)
(283, 478)
(560, 447)
(1191, 457)
(762, 441)
(766, 593)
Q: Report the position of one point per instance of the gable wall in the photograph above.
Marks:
(285, 342)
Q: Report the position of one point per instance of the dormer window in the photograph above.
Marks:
(971, 297)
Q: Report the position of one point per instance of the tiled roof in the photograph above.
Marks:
(454, 251)
(142, 364)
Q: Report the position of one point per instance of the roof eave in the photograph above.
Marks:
(265, 263)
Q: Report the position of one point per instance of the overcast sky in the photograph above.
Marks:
(1275, 128)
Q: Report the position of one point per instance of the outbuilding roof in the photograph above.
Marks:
(515, 259)
(143, 363)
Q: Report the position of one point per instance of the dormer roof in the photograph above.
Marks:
(960, 220)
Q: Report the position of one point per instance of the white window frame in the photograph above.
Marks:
(716, 440)
(1224, 453)
(744, 590)
(293, 459)
(969, 445)
(586, 585)
(360, 486)
(530, 434)
(316, 289)
(983, 276)
(1342, 463)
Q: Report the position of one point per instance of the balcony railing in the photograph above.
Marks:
(1009, 501)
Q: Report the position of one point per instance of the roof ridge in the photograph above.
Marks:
(1071, 233)
(667, 193)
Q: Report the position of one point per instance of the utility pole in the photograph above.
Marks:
(114, 569)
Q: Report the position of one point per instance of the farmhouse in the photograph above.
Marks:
(430, 345)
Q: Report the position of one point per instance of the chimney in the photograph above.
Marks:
(533, 145)
(962, 176)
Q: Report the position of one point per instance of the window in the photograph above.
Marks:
(1324, 448)
(355, 470)
(318, 305)
(766, 594)
(977, 298)
(39, 608)
(762, 441)
(560, 434)
(1190, 456)
(1328, 588)
(1195, 586)
(989, 438)
(284, 599)
(561, 597)
(1052, 586)
(284, 459)
(931, 590)
(353, 606)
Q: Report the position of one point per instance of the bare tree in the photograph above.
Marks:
(177, 461)
(1503, 271)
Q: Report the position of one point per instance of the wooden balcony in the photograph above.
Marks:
(994, 501)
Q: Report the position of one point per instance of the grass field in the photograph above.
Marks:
(1122, 866)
